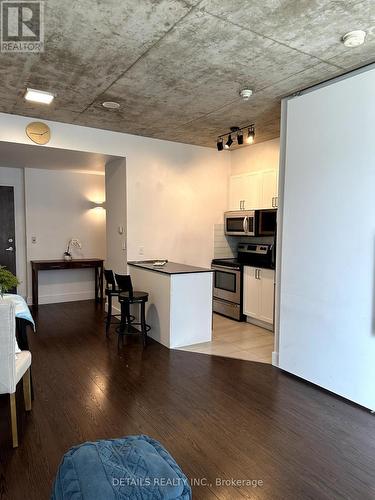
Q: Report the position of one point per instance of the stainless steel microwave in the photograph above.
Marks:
(240, 223)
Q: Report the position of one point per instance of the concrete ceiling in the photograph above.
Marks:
(31, 156)
(176, 66)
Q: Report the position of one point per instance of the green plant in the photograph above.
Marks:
(7, 280)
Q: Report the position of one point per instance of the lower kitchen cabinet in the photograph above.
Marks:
(258, 293)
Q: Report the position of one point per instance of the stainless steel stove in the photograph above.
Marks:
(227, 293)
(227, 287)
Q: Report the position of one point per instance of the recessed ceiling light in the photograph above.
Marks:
(110, 105)
(354, 38)
(39, 96)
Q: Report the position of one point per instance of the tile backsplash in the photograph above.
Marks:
(225, 247)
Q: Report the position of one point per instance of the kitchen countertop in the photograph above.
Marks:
(169, 268)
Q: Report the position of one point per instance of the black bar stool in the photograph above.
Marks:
(127, 297)
(111, 290)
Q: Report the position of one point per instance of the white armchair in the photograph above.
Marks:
(13, 367)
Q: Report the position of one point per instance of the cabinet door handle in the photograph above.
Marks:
(243, 204)
(276, 201)
(258, 274)
(273, 202)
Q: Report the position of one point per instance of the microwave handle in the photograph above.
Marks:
(245, 225)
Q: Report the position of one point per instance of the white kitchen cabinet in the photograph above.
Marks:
(244, 191)
(269, 188)
(266, 294)
(252, 183)
(258, 293)
(237, 192)
(250, 292)
(254, 190)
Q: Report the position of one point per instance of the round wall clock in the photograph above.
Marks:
(38, 132)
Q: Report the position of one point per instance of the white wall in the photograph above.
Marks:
(59, 207)
(115, 194)
(14, 177)
(175, 192)
(262, 156)
(327, 309)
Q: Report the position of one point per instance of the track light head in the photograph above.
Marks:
(240, 138)
(250, 135)
(220, 144)
(229, 142)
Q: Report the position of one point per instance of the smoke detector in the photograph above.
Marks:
(246, 94)
(354, 38)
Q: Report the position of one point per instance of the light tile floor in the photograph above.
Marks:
(237, 340)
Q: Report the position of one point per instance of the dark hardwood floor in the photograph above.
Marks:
(220, 418)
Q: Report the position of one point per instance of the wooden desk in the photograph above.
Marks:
(53, 265)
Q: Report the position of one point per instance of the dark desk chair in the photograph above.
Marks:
(111, 290)
(128, 297)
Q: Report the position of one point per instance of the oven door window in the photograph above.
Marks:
(225, 281)
(235, 224)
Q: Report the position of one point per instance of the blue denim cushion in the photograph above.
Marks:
(135, 467)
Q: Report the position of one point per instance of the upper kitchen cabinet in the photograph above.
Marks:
(253, 190)
(269, 189)
(244, 193)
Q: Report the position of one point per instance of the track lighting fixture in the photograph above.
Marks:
(250, 134)
(239, 135)
(229, 142)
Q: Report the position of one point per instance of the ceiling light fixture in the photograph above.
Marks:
(354, 38)
(39, 96)
(239, 133)
(246, 94)
(110, 105)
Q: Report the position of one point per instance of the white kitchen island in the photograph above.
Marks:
(179, 309)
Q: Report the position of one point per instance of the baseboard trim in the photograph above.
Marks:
(63, 297)
(257, 322)
(275, 358)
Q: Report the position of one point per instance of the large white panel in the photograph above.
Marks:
(327, 317)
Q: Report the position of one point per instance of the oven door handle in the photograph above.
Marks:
(217, 267)
(245, 225)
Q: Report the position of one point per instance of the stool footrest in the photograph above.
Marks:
(131, 330)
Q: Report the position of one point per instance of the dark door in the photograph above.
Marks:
(7, 229)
